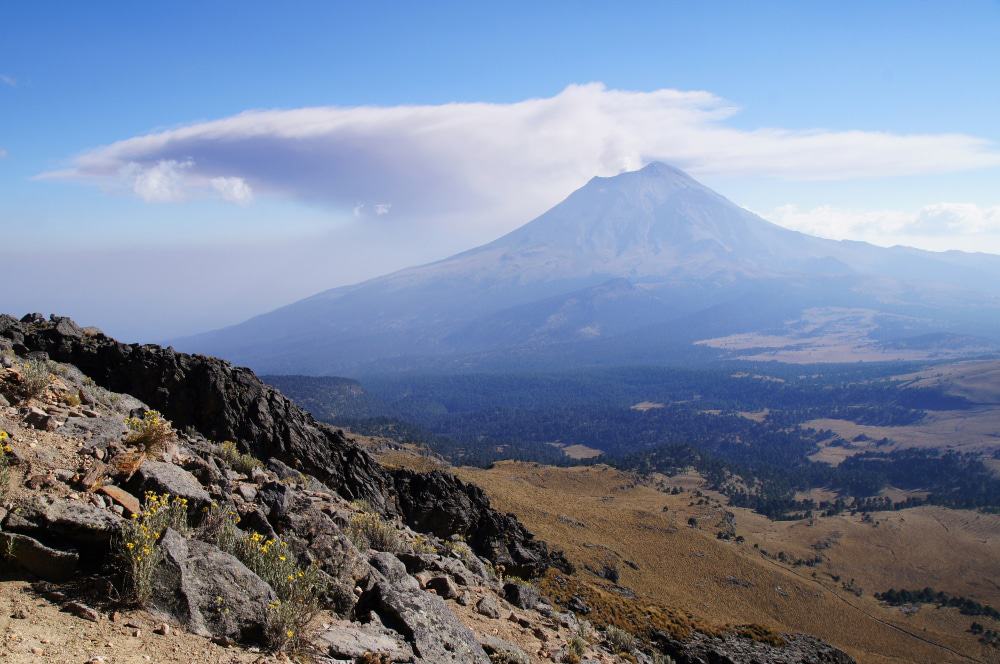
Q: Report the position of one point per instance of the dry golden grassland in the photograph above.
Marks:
(683, 575)
(580, 452)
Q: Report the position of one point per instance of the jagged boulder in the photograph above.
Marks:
(351, 641)
(442, 504)
(432, 562)
(734, 649)
(209, 591)
(421, 617)
(65, 524)
(504, 651)
(521, 595)
(488, 606)
(219, 400)
(161, 477)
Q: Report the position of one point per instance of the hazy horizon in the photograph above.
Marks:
(155, 198)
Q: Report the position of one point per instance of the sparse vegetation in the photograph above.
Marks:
(507, 657)
(575, 648)
(150, 434)
(239, 461)
(138, 545)
(5, 451)
(369, 530)
(421, 544)
(298, 588)
(461, 549)
(619, 640)
(35, 378)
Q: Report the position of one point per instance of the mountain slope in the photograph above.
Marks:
(643, 261)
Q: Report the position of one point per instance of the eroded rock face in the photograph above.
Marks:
(224, 402)
(65, 524)
(209, 591)
(351, 642)
(521, 595)
(160, 477)
(732, 649)
(421, 617)
(443, 505)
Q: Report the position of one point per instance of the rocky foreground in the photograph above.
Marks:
(402, 566)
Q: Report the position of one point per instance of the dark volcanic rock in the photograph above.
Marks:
(488, 607)
(521, 595)
(65, 524)
(733, 649)
(442, 504)
(224, 402)
(421, 617)
(347, 641)
(160, 477)
(219, 400)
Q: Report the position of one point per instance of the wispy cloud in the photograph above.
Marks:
(972, 226)
(9, 81)
(477, 161)
(233, 189)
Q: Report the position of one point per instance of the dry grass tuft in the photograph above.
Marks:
(35, 378)
(370, 531)
(151, 434)
(5, 452)
(137, 548)
(299, 589)
(238, 461)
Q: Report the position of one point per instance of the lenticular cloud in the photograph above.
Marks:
(460, 160)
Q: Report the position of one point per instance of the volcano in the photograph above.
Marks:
(648, 266)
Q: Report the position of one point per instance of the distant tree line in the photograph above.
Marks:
(965, 606)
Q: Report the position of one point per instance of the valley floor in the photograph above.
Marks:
(602, 517)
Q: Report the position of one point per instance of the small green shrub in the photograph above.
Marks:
(462, 550)
(5, 452)
(35, 377)
(137, 547)
(361, 505)
(238, 461)
(619, 640)
(508, 657)
(422, 544)
(575, 648)
(71, 399)
(150, 434)
(370, 531)
(299, 589)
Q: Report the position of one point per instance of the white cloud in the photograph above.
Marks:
(8, 80)
(162, 182)
(382, 208)
(500, 164)
(3, 153)
(233, 189)
(939, 226)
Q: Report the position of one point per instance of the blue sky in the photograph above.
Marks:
(872, 121)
